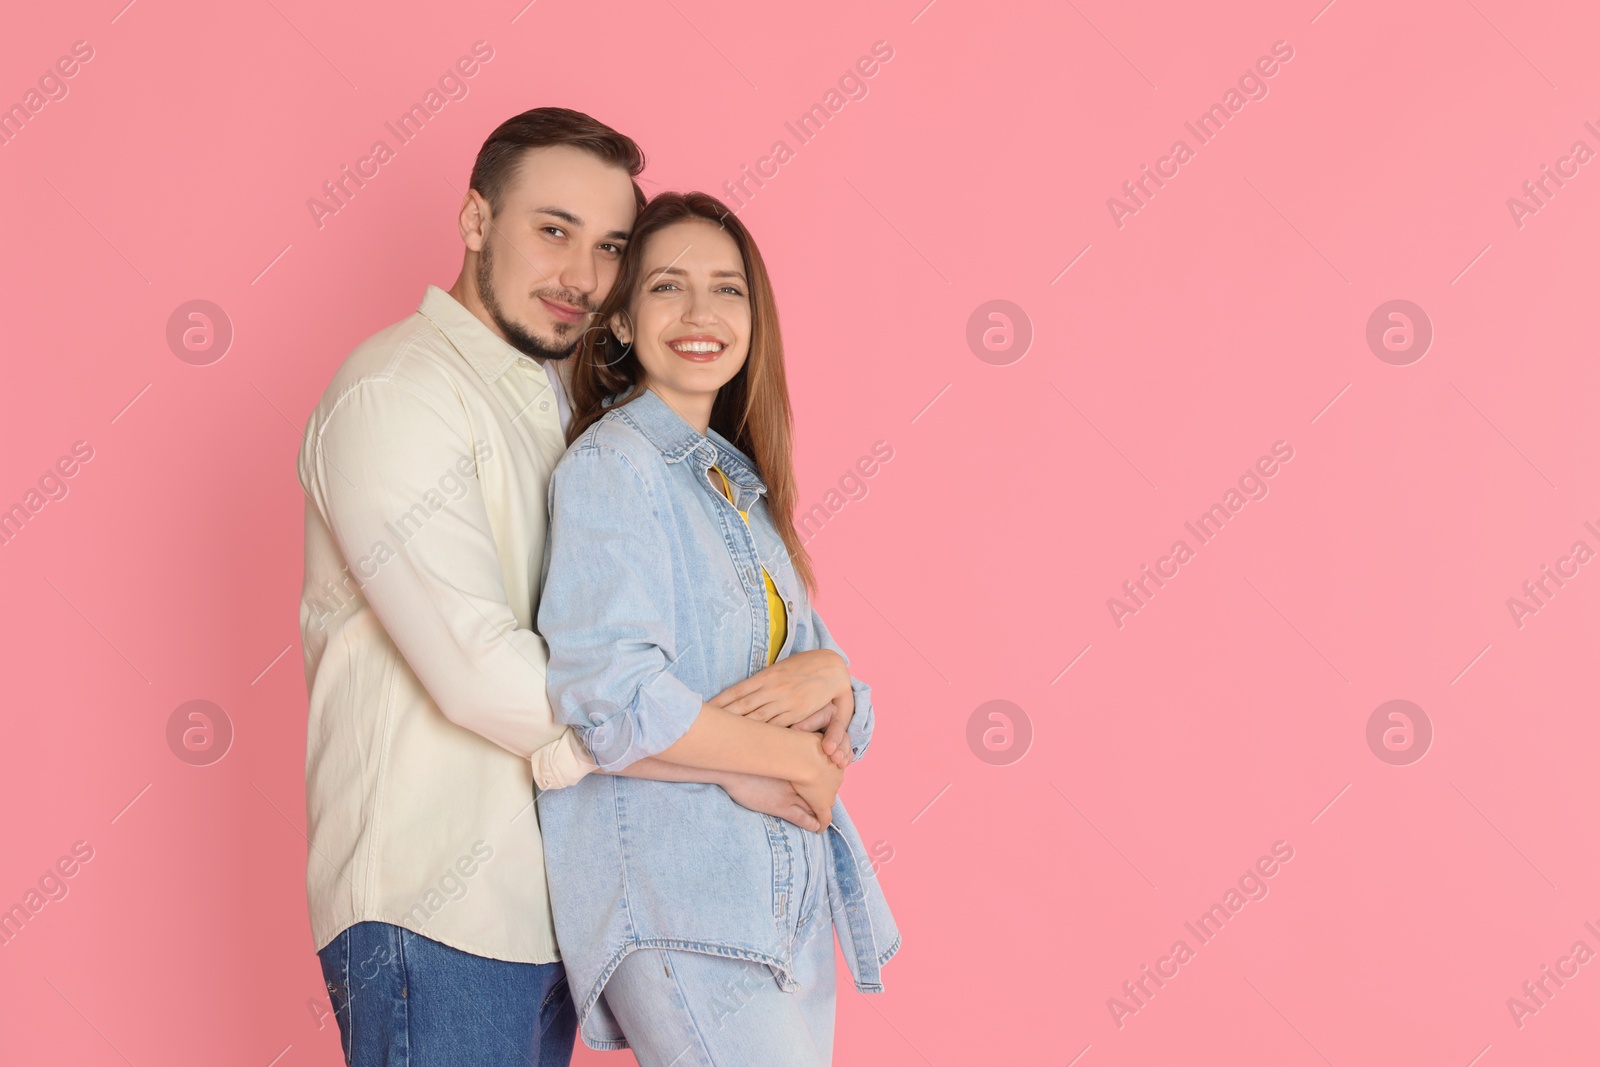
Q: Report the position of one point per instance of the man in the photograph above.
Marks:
(426, 468)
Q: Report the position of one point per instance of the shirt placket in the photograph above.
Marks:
(748, 562)
(535, 397)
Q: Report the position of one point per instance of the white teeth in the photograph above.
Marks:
(698, 346)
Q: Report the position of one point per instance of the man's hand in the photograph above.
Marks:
(807, 691)
(770, 796)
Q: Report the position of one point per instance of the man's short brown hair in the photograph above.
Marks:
(544, 126)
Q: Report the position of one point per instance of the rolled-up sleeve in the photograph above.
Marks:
(562, 762)
(428, 564)
(606, 612)
(860, 732)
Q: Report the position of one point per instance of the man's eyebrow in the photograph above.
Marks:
(561, 213)
(572, 220)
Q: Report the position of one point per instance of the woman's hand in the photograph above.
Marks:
(820, 786)
(719, 740)
(792, 689)
(815, 722)
(770, 796)
(806, 691)
(834, 741)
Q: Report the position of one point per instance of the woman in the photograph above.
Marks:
(708, 927)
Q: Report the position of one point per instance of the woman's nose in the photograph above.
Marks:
(700, 310)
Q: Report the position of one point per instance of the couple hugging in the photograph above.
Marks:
(576, 730)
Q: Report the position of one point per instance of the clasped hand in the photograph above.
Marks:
(808, 691)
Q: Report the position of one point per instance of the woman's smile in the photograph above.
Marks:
(698, 348)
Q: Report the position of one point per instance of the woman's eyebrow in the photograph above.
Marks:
(680, 272)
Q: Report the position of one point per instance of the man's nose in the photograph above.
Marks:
(578, 273)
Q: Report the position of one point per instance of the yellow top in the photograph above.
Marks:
(777, 618)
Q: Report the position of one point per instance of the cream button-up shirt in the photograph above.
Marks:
(426, 468)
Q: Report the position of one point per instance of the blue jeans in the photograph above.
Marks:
(403, 999)
(695, 1009)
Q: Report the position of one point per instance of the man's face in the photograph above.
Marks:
(549, 255)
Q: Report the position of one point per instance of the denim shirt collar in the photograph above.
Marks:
(677, 440)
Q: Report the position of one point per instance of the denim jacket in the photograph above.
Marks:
(653, 602)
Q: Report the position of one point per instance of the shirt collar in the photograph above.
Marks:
(488, 353)
(667, 430)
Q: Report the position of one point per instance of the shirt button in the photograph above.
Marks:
(544, 405)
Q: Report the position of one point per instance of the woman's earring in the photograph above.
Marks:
(622, 330)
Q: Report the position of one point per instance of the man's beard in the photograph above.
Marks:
(516, 335)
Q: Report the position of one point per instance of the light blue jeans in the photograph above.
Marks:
(694, 1009)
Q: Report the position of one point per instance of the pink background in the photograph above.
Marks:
(1229, 313)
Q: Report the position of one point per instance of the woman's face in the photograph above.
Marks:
(690, 318)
